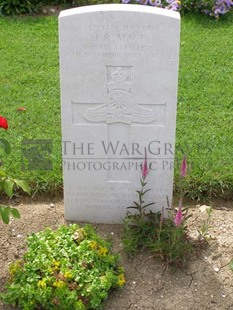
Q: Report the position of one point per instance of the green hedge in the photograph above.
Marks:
(16, 7)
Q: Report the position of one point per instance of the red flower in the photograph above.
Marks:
(3, 122)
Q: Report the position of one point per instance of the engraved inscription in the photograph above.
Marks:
(119, 78)
(117, 27)
(120, 106)
(119, 41)
(93, 196)
(131, 51)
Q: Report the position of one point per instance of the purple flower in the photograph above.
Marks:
(179, 216)
(174, 5)
(184, 167)
(125, 1)
(145, 169)
(229, 3)
(155, 2)
(221, 7)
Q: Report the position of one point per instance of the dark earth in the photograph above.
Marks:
(205, 283)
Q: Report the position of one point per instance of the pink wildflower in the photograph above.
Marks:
(184, 166)
(179, 217)
(145, 168)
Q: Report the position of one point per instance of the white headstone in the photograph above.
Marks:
(119, 73)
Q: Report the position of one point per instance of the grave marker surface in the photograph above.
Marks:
(119, 73)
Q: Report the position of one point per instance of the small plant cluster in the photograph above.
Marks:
(6, 182)
(11, 7)
(214, 8)
(139, 227)
(231, 264)
(167, 237)
(70, 268)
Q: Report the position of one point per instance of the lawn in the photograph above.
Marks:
(205, 104)
(29, 78)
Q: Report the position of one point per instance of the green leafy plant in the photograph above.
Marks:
(167, 237)
(140, 206)
(7, 183)
(203, 230)
(70, 268)
(139, 226)
(12, 7)
(231, 264)
(171, 238)
(139, 231)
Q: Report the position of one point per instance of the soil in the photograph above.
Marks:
(205, 283)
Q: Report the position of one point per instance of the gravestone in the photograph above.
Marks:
(119, 73)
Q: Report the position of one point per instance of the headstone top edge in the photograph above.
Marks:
(119, 8)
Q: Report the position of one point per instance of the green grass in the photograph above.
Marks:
(205, 104)
(29, 77)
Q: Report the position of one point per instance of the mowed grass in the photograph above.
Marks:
(205, 104)
(29, 78)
